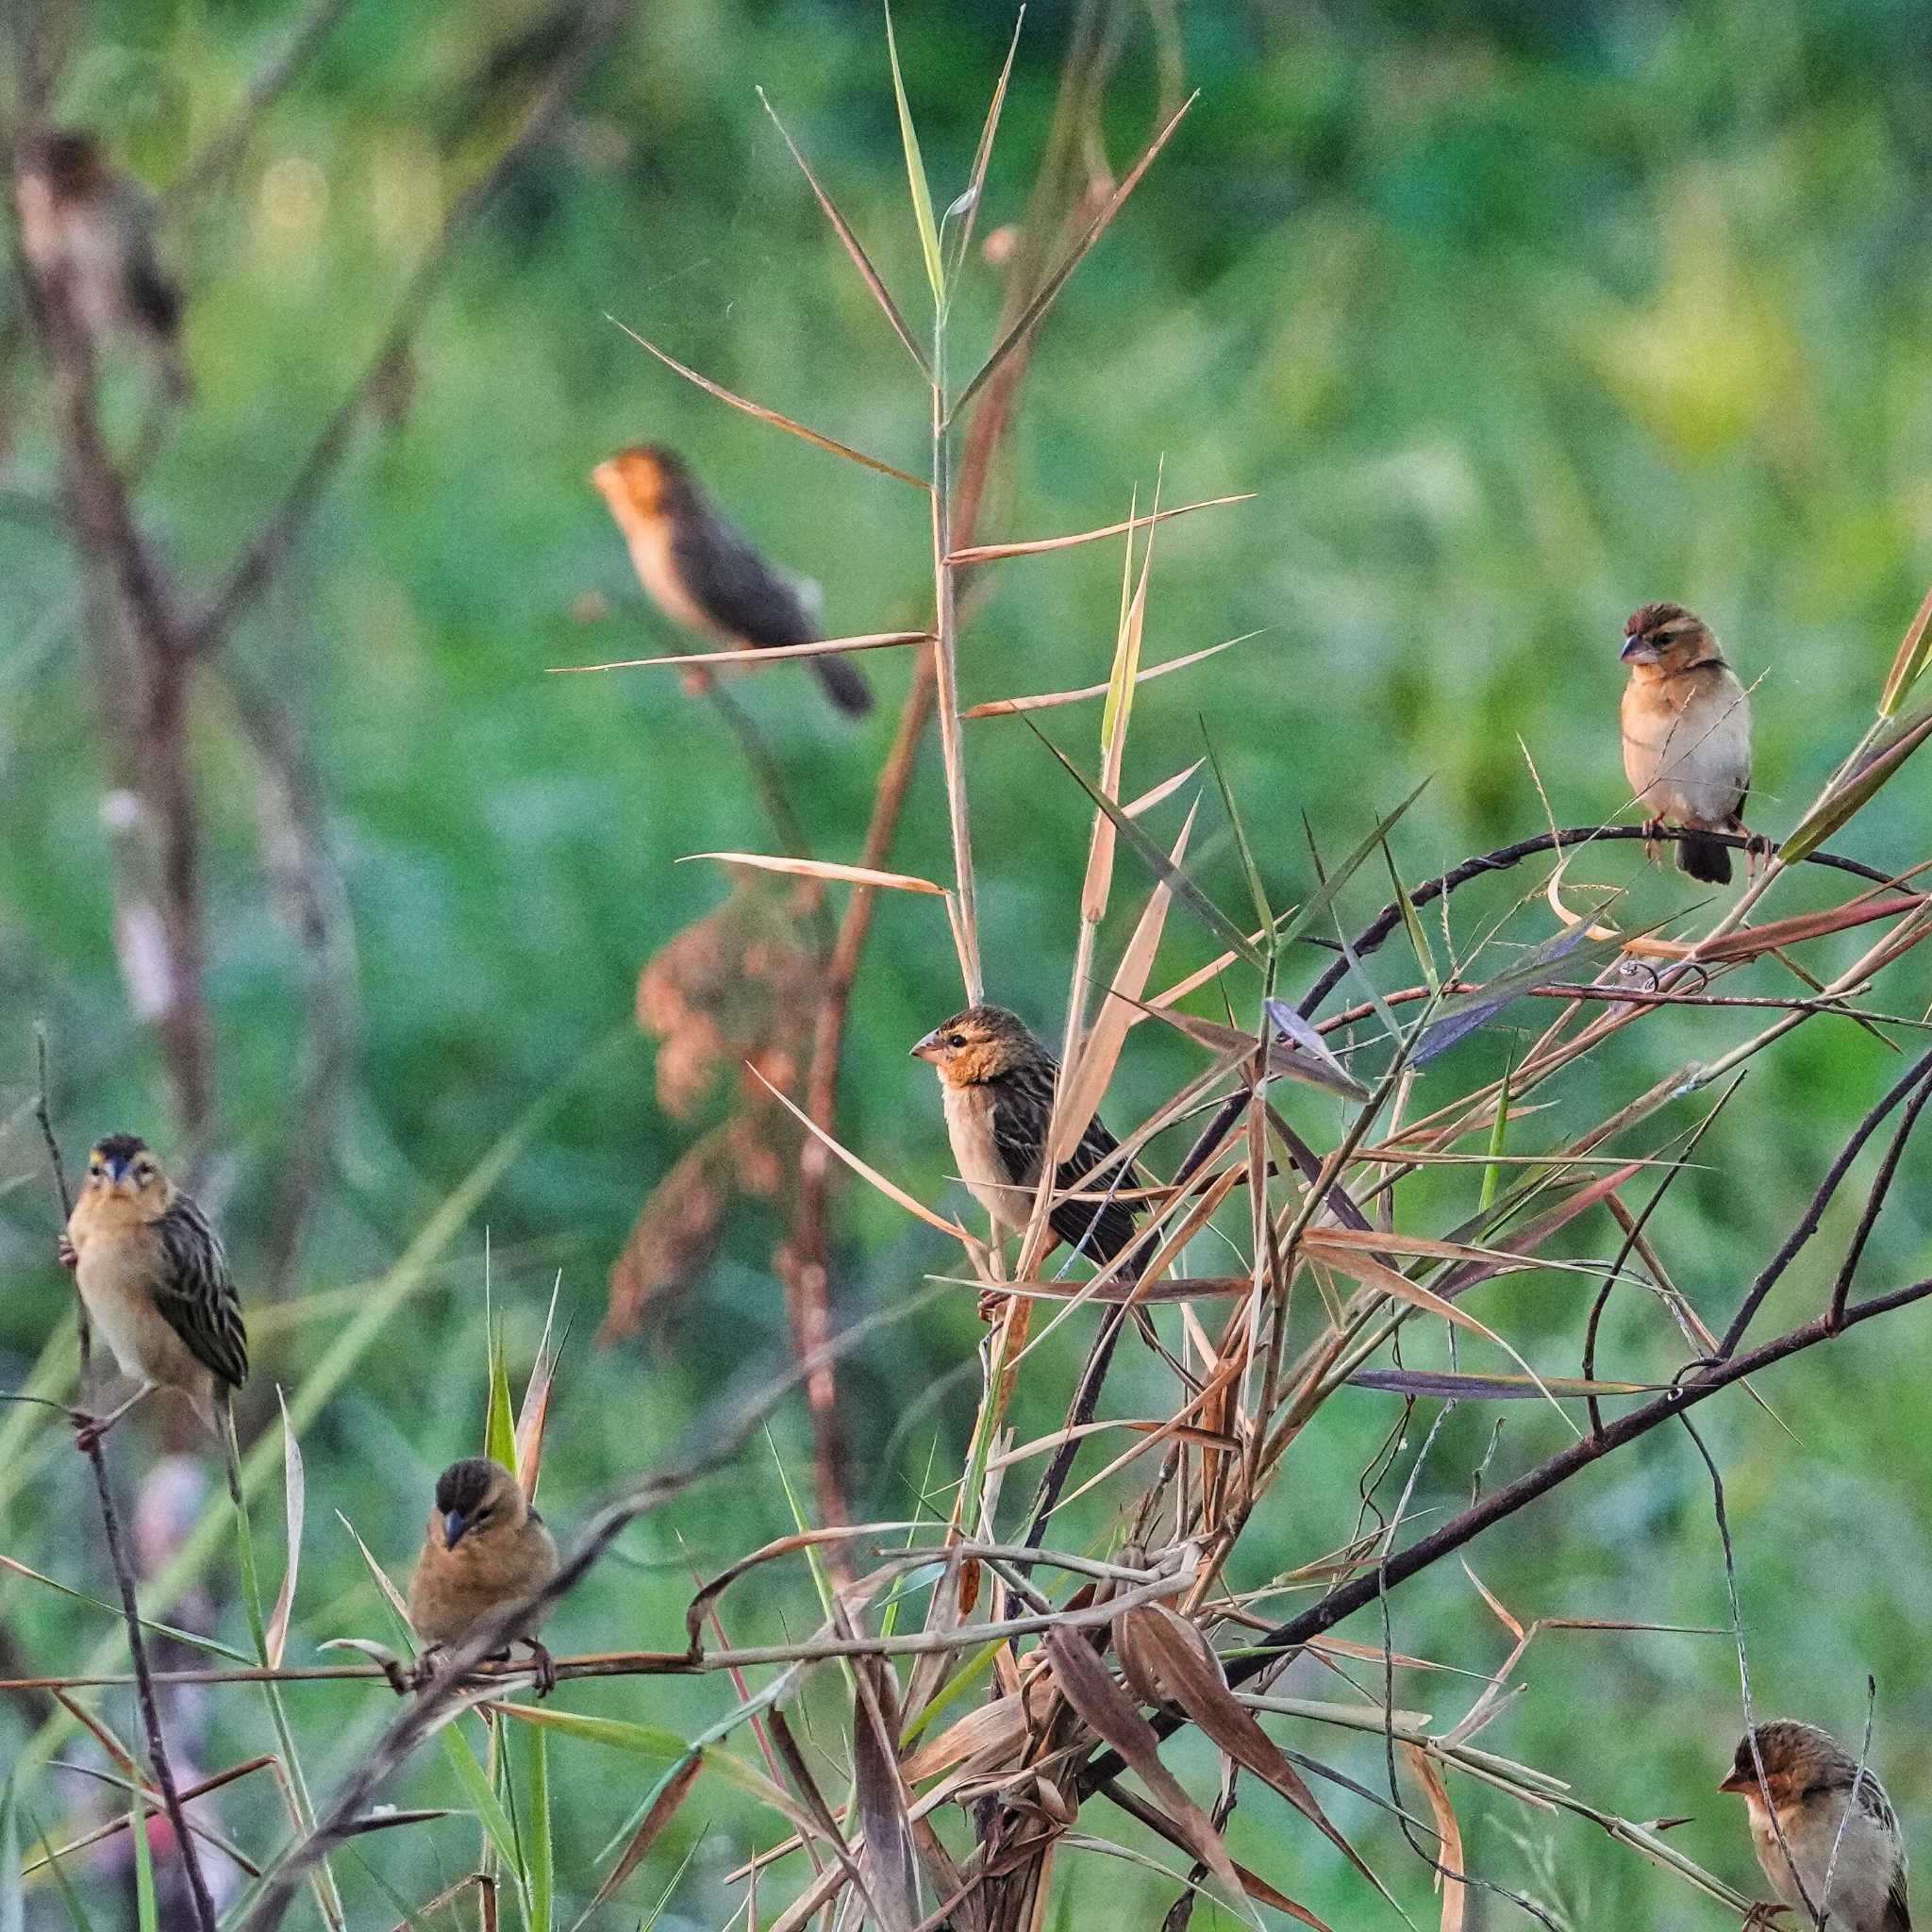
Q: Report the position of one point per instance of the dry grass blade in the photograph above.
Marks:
(295, 1496)
(533, 1412)
(890, 1189)
(1082, 1092)
(672, 1793)
(1038, 546)
(1286, 1057)
(1449, 1875)
(1030, 316)
(1047, 701)
(1846, 799)
(1106, 1708)
(823, 869)
(771, 416)
(1166, 789)
(766, 654)
(842, 228)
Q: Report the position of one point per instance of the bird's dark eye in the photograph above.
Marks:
(955, 1040)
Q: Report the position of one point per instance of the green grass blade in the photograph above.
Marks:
(1499, 1131)
(62, 1884)
(12, 1893)
(1323, 897)
(147, 1910)
(1413, 925)
(482, 1796)
(543, 1843)
(1157, 862)
(915, 175)
(499, 1425)
(1263, 917)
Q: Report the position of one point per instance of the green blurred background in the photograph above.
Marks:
(1514, 317)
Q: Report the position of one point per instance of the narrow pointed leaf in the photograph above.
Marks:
(823, 869)
(982, 156)
(661, 1805)
(1914, 654)
(915, 175)
(1456, 1019)
(1324, 896)
(1157, 862)
(295, 1506)
(1859, 789)
(860, 259)
(1049, 700)
(1039, 546)
(771, 416)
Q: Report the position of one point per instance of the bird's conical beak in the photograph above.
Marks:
(1636, 650)
(928, 1048)
(454, 1525)
(1739, 1781)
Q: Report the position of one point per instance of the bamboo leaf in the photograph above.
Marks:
(1050, 700)
(482, 1796)
(982, 157)
(1323, 897)
(915, 175)
(542, 1842)
(1454, 1885)
(1860, 787)
(499, 1429)
(767, 653)
(1456, 1018)
(661, 1806)
(1256, 890)
(1035, 311)
(147, 1912)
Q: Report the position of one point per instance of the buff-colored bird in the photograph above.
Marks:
(90, 228)
(996, 1082)
(154, 1281)
(1687, 735)
(703, 572)
(1834, 1819)
(483, 1548)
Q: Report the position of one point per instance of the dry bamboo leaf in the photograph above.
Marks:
(1454, 1888)
(859, 259)
(1089, 1687)
(533, 1412)
(765, 654)
(664, 1807)
(821, 869)
(1191, 1675)
(994, 1732)
(1050, 700)
(880, 1797)
(987, 553)
(1166, 789)
(1490, 1597)
(890, 1189)
(1081, 1094)
(1914, 653)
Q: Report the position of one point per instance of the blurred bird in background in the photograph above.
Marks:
(996, 1081)
(90, 230)
(1834, 1816)
(1686, 734)
(154, 1281)
(484, 1547)
(703, 574)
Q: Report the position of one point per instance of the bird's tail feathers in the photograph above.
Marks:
(843, 686)
(1705, 859)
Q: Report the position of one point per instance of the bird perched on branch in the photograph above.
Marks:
(1834, 1818)
(154, 1282)
(1687, 735)
(703, 572)
(484, 1547)
(997, 1079)
(89, 228)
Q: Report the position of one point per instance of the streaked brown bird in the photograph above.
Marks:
(996, 1082)
(702, 571)
(156, 1284)
(483, 1548)
(91, 228)
(1687, 735)
(1834, 1819)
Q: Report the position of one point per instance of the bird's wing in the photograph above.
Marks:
(151, 292)
(197, 1297)
(740, 592)
(1897, 1917)
(1022, 1113)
